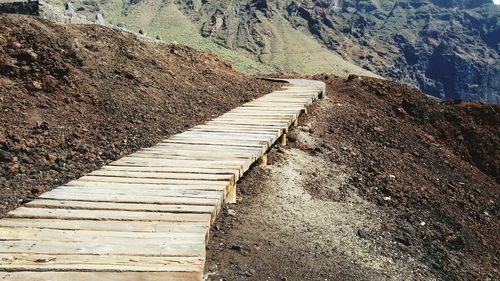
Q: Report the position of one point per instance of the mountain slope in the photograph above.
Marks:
(253, 42)
(448, 48)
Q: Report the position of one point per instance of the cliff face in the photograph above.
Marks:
(447, 48)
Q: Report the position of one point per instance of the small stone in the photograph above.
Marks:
(26, 55)
(251, 272)
(247, 273)
(14, 168)
(37, 85)
(231, 212)
(352, 77)
(100, 19)
(37, 189)
(15, 45)
(51, 157)
(362, 233)
(70, 9)
(400, 111)
(236, 247)
(292, 137)
(32, 55)
(5, 156)
(306, 129)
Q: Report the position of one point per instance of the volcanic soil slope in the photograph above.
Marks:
(73, 98)
(379, 182)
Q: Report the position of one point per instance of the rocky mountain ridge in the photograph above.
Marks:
(449, 49)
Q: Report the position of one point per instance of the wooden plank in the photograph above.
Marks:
(144, 192)
(274, 133)
(120, 247)
(229, 135)
(199, 154)
(44, 203)
(181, 162)
(258, 115)
(217, 142)
(222, 171)
(209, 157)
(266, 129)
(276, 123)
(220, 138)
(142, 199)
(143, 160)
(297, 107)
(108, 276)
(273, 103)
(45, 213)
(104, 237)
(204, 150)
(41, 262)
(127, 226)
(264, 111)
(207, 147)
(219, 187)
(164, 175)
(243, 127)
(148, 180)
(275, 109)
(257, 118)
(175, 163)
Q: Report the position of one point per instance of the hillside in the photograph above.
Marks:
(379, 182)
(280, 47)
(76, 97)
(447, 48)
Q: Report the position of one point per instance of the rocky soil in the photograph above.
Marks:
(378, 182)
(73, 98)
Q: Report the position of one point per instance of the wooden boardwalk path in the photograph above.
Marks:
(147, 215)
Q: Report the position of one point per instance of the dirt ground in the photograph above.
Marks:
(73, 98)
(378, 183)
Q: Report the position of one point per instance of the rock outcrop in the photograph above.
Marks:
(447, 48)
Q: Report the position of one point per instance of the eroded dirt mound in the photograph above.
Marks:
(73, 98)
